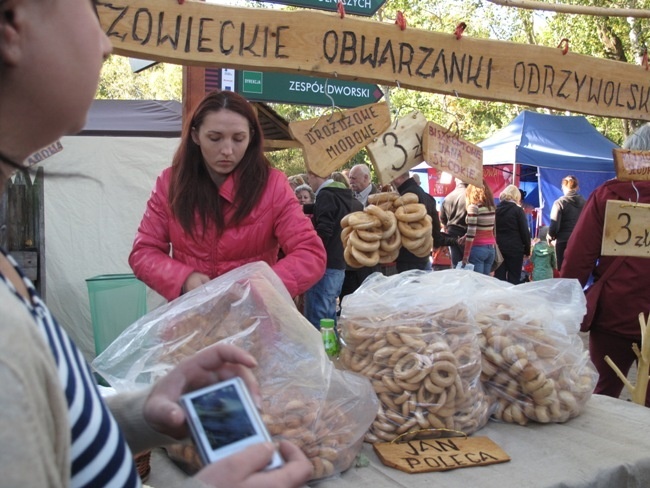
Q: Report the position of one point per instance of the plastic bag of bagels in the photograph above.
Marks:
(415, 338)
(324, 410)
(534, 362)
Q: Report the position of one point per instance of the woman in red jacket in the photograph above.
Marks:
(220, 206)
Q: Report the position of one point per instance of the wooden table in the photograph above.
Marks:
(607, 446)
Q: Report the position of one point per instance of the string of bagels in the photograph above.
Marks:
(390, 221)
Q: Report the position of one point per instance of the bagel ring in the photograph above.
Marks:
(413, 230)
(382, 197)
(425, 397)
(388, 257)
(391, 243)
(412, 244)
(363, 220)
(411, 368)
(357, 243)
(390, 228)
(382, 215)
(368, 235)
(443, 373)
(411, 212)
(406, 199)
(366, 260)
(345, 235)
(350, 259)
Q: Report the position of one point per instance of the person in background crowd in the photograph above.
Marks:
(624, 293)
(406, 260)
(453, 216)
(296, 180)
(441, 258)
(512, 234)
(341, 178)
(416, 178)
(56, 430)
(360, 183)
(305, 194)
(543, 257)
(333, 202)
(220, 206)
(479, 240)
(564, 216)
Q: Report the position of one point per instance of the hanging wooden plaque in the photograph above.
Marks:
(446, 152)
(331, 140)
(632, 165)
(399, 148)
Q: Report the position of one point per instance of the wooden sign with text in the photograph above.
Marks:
(324, 44)
(446, 152)
(627, 229)
(399, 148)
(331, 140)
(632, 165)
(423, 456)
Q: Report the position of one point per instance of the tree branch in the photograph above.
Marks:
(575, 9)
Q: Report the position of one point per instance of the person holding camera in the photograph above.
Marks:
(56, 430)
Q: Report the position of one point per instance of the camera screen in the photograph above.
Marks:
(223, 417)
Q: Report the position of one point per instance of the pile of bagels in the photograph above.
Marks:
(390, 221)
(327, 430)
(425, 371)
(532, 373)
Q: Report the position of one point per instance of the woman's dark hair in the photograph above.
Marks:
(191, 188)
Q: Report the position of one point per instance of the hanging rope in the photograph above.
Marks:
(401, 20)
(564, 42)
(460, 28)
(340, 8)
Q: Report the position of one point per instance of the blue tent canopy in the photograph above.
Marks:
(554, 146)
(550, 141)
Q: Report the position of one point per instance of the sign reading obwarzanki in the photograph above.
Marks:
(323, 44)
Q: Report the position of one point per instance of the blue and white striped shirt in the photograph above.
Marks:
(99, 454)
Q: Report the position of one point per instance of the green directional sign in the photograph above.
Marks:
(358, 7)
(305, 90)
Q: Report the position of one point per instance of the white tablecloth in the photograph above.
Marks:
(607, 446)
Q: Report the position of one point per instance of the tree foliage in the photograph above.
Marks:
(160, 82)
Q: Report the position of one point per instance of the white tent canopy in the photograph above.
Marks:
(95, 193)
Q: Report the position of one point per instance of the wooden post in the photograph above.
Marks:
(193, 89)
(639, 389)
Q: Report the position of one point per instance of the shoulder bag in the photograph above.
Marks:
(592, 294)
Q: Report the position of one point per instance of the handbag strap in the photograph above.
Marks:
(610, 270)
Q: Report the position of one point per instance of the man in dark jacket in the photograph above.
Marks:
(406, 259)
(453, 216)
(564, 216)
(333, 202)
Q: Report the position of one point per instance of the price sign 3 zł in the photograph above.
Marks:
(627, 229)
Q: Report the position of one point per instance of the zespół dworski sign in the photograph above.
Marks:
(270, 86)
